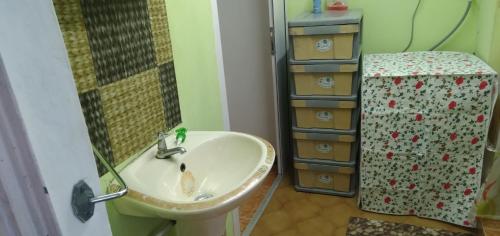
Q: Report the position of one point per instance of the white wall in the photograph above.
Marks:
(246, 50)
(36, 62)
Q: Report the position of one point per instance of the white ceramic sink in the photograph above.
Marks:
(199, 187)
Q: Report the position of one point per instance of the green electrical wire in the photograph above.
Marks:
(460, 22)
(466, 13)
(413, 26)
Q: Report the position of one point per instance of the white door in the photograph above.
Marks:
(251, 70)
(44, 145)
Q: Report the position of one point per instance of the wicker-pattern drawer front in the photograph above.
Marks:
(324, 177)
(335, 148)
(323, 47)
(325, 79)
(331, 118)
(334, 83)
(324, 114)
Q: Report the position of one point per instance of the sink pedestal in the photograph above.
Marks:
(215, 226)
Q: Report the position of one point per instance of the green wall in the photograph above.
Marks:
(193, 43)
(387, 23)
(488, 45)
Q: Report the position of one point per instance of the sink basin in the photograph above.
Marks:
(197, 188)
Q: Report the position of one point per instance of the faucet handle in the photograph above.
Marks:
(162, 144)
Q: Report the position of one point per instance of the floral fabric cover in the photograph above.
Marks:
(425, 117)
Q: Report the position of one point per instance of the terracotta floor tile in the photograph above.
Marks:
(339, 214)
(276, 221)
(296, 213)
(301, 209)
(318, 225)
(290, 232)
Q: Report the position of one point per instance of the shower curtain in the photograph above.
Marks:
(425, 117)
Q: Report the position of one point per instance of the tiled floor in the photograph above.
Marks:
(294, 213)
(248, 208)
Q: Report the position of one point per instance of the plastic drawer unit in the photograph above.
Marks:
(325, 79)
(327, 36)
(326, 148)
(338, 180)
(324, 72)
(325, 114)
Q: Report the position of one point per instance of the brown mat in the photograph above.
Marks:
(361, 227)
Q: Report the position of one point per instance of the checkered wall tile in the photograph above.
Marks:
(120, 38)
(96, 124)
(170, 96)
(121, 56)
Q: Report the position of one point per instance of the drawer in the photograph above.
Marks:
(323, 42)
(325, 80)
(338, 148)
(326, 114)
(315, 176)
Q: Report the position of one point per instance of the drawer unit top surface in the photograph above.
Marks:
(352, 16)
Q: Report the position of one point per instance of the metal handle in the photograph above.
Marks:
(123, 185)
(162, 144)
(83, 199)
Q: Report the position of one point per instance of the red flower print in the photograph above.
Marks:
(472, 170)
(474, 140)
(467, 191)
(480, 118)
(414, 167)
(459, 80)
(415, 138)
(395, 134)
(392, 182)
(419, 84)
(452, 105)
(440, 205)
(466, 222)
(446, 157)
(418, 117)
(392, 103)
(412, 186)
(389, 155)
(453, 136)
(397, 80)
(483, 85)
(387, 200)
(447, 185)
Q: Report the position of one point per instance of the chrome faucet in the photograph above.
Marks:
(163, 151)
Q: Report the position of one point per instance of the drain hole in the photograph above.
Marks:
(183, 167)
(203, 196)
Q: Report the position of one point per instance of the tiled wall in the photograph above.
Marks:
(121, 58)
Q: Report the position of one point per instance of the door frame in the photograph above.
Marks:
(28, 210)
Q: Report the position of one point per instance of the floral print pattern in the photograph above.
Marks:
(365, 227)
(424, 122)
